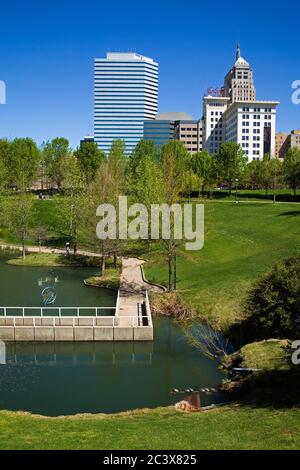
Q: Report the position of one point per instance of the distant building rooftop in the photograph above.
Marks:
(173, 116)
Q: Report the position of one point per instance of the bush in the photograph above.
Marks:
(274, 302)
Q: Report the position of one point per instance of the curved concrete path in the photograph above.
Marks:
(132, 294)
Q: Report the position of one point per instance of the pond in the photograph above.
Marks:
(56, 379)
(62, 287)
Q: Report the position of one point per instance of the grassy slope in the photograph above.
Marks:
(242, 242)
(162, 429)
(267, 355)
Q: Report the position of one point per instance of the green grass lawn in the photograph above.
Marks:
(266, 355)
(242, 242)
(235, 427)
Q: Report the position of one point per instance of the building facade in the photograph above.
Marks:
(126, 95)
(190, 133)
(236, 115)
(286, 141)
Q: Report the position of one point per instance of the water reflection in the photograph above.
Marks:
(65, 378)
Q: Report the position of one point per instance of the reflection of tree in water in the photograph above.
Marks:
(48, 286)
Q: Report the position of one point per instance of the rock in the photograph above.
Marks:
(186, 407)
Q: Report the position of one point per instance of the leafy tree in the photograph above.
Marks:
(270, 171)
(55, 153)
(70, 209)
(291, 167)
(274, 302)
(5, 151)
(230, 163)
(203, 165)
(175, 161)
(18, 214)
(143, 148)
(101, 191)
(90, 158)
(147, 188)
(117, 165)
(23, 163)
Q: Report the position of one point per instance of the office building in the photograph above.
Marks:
(126, 95)
(236, 116)
(286, 141)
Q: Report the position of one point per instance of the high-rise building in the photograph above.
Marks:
(238, 83)
(236, 115)
(126, 95)
(281, 144)
(286, 141)
(161, 130)
(190, 133)
(175, 126)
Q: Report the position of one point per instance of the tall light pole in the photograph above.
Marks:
(236, 191)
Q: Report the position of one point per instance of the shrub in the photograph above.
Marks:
(274, 302)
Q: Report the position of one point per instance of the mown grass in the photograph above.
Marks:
(234, 427)
(242, 242)
(267, 355)
(111, 280)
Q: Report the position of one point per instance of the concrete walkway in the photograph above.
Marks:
(43, 249)
(132, 295)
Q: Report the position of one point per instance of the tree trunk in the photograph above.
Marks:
(170, 272)
(23, 249)
(115, 261)
(103, 263)
(267, 191)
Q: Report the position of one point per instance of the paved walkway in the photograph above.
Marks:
(133, 290)
(43, 249)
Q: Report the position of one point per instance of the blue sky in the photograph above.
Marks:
(47, 50)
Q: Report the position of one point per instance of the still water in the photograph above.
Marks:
(65, 379)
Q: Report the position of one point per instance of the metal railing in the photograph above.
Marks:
(57, 312)
(82, 322)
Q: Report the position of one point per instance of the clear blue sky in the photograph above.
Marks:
(47, 50)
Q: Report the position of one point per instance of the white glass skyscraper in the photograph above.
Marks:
(126, 95)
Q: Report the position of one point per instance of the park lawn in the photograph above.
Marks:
(242, 242)
(111, 280)
(266, 355)
(231, 427)
(38, 259)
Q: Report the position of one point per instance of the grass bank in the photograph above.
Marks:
(111, 280)
(267, 355)
(236, 427)
(242, 242)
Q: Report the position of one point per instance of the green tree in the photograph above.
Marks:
(270, 172)
(23, 163)
(55, 154)
(90, 158)
(291, 168)
(70, 209)
(5, 152)
(175, 162)
(273, 304)
(101, 191)
(230, 163)
(18, 215)
(142, 149)
(117, 166)
(203, 165)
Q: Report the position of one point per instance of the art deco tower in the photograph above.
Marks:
(239, 85)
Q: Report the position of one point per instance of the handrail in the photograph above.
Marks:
(116, 322)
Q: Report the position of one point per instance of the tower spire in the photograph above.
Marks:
(238, 52)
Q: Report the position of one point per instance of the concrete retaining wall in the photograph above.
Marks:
(63, 330)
